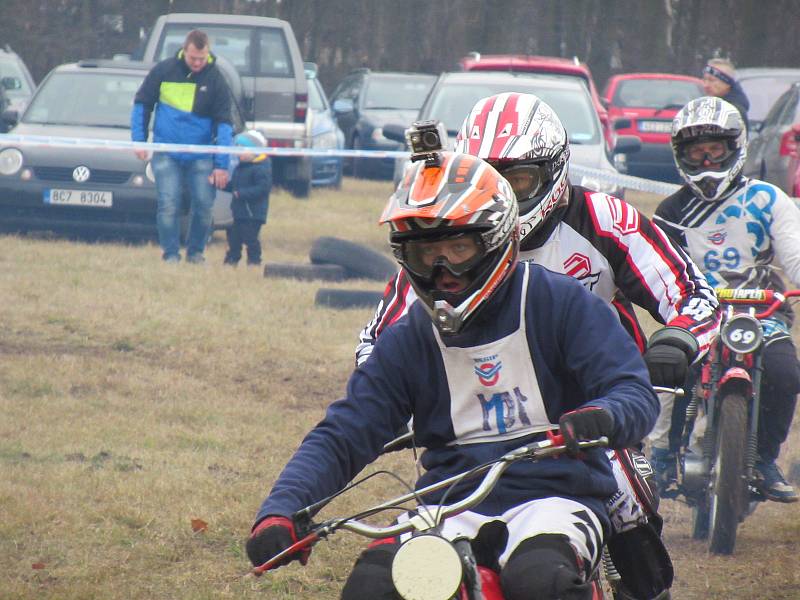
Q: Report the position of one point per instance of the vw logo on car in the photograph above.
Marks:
(81, 174)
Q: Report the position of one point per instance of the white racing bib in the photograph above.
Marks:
(494, 392)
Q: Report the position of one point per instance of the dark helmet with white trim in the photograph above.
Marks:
(709, 144)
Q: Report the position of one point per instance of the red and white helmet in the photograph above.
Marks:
(523, 138)
(456, 198)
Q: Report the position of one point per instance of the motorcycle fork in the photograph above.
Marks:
(471, 587)
(755, 411)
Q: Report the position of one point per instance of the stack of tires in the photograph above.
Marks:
(334, 259)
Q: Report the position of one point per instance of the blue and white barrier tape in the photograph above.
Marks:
(614, 178)
(97, 144)
(624, 181)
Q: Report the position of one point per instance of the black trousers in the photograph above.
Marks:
(780, 385)
(243, 232)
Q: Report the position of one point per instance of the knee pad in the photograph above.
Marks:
(371, 576)
(545, 566)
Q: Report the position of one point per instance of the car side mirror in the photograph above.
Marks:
(10, 117)
(394, 132)
(11, 83)
(343, 106)
(622, 124)
(627, 144)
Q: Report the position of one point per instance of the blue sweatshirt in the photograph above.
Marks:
(582, 356)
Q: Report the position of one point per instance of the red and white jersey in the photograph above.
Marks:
(617, 253)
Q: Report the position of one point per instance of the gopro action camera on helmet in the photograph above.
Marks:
(426, 139)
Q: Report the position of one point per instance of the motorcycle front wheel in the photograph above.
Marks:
(729, 494)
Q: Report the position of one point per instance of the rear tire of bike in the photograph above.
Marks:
(729, 494)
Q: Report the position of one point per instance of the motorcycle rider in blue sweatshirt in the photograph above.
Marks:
(495, 354)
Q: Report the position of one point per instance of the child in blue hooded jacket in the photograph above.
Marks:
(250, 184)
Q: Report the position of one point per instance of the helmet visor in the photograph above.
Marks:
(527, 180)
(456, 253)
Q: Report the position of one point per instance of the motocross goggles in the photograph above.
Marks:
(458, 254)
(715, 150)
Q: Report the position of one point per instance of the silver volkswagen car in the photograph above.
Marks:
(85, 190)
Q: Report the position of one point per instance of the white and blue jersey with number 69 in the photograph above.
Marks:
(742, 241)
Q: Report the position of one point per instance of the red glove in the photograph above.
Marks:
(587, 423)
(272, 536)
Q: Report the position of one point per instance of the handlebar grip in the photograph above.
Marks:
(308, 541)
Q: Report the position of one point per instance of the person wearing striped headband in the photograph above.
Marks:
(719, 79)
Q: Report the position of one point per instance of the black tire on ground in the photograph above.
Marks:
(729, 492)
(300, 188)
(336, 298)
(305, 272)
(357, 259)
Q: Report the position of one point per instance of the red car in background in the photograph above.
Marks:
(643, 104)
(525, 63)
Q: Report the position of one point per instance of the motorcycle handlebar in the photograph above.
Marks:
(754, 297)
(779, 299)
(552, 447)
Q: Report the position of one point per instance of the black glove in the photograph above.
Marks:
(588, 423)
(668, 365)
(272, 536)
(669, 352)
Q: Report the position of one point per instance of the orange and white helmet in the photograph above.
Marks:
(461, 201)
(523, 138)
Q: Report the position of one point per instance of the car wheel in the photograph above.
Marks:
(348, 161)
(337, 183)
(360, 165)
(336, 298)
(305, 272)
(358, 260)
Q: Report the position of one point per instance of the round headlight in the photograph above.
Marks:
(148, 171)
(742, 334)
(10, 161)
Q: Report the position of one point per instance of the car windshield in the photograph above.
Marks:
(399, 93)
(316, 100)
(234, 43)
(656, 93)
(10, 68)
(763, 91)
(452, 103)
(90, 99)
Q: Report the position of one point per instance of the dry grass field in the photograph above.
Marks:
(138, 399)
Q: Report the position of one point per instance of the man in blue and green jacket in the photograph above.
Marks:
(192, 106)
